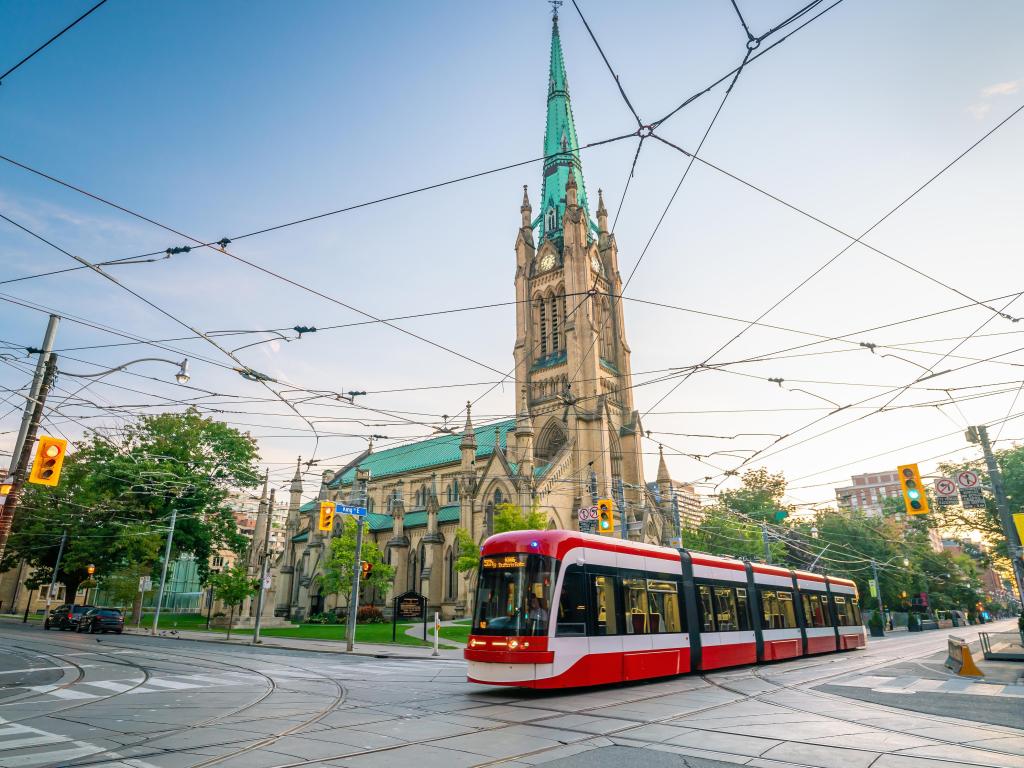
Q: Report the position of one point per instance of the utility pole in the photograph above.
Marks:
(363, 477)
(980, 434)
(56, 567)
(163, 574)
(767, 545)
(878, 591)
(25, 454)
(264, 569)
(33, 393)
(675, 516)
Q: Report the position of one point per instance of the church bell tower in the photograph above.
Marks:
(571, 355)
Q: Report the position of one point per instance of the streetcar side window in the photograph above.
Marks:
(855, 609)
(663, 598)
(571, 620)
(742, 610)
(815, 610)
(777, 609)
(844, 612)
(605, 614)
(634, 593)
(725, 609)
(706, 609)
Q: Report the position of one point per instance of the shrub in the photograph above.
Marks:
(875, 622)
(322, 618)
(913, 622)
(369, 614)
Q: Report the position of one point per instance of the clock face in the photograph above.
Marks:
(595, 263)
(547, 261)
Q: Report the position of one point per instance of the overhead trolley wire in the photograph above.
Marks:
(51, 40)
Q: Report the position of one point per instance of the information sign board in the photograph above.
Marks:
(587, 517)
(945, 492)
(345, 509)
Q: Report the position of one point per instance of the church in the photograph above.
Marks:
(576, 436)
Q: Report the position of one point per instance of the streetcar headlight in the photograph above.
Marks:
(513, 644)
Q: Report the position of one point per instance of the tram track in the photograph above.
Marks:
(121, 753)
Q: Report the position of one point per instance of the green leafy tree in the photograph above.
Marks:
(115, 483)
(232, 586)
(731, 525)
(509, 517)
(337, 573)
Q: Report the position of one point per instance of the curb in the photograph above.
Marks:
(368, 654)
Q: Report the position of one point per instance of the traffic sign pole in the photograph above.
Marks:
(53, 579)
(1003, 505)
(363, 476)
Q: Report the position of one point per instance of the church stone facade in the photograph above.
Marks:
(576, 436)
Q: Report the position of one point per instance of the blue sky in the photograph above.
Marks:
(220, 118)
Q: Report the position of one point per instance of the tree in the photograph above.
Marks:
(731, 526)
(232, 586)
(119, 482)
(337, 573)
(509, 517)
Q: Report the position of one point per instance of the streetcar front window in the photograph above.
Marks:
(513, 596)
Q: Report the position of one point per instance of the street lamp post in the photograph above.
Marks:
(182, 376)
(90, 569)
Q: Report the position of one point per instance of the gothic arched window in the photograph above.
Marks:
(455, 490)
(497, 496)
(413, 575)
(450, 574)
(543, 327)
(448, 493)
(553, 302)
(551, 219)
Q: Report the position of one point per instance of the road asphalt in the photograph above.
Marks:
(142, 702)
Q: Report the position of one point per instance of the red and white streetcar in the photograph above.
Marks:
(558, 609)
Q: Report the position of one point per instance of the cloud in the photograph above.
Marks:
(1001, 89)
(980, 109)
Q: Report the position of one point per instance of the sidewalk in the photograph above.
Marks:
(417, 631)
(316, 646)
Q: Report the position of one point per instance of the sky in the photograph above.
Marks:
(219, 119)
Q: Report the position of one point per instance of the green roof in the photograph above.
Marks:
(433, 452)
(447, 514)
(304, 536)
(309, 506)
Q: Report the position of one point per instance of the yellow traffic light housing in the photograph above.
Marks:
(49, 459)
(605, 516)
(326, 522)
(366, 567)
(914, 497)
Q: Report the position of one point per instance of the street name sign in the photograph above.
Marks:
(344, 509)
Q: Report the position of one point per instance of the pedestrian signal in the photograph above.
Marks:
(914, 497)
(326, 516)
(605, 516)
(48, 461)
(366, 567)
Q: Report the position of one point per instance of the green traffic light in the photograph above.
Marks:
(913, 493)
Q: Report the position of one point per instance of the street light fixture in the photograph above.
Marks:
(182, 376)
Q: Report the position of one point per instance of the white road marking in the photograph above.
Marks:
(53, 756)
(40, 669)
(111, 685)
(911, 685)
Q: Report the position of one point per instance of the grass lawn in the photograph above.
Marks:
(170, 620)
(459, 633)
(365, 633)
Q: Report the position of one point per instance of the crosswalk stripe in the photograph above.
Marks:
(110, 685)
(172, 684)
(53, 756)
(30, 741)
(61, 693)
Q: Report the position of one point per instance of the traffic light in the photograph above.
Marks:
(605, 516)
(49, 458)
(366, 567)
(913, 490)
(326, 516)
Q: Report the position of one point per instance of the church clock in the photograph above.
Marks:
(547, 261)
(595, 263)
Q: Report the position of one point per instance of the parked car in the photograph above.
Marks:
(102, 620)
(66, 616)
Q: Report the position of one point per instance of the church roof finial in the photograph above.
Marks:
(663, 475)
(561, 146)
(468, 433)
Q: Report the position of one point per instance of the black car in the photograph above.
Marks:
(102, 620)
(66, 616)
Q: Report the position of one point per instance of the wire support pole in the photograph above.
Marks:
(37, 379)
(163, 572)
(767, 543)
(264, 570)
(21, 467)
(1003, 506)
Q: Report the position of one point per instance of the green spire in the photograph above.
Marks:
(561, 148)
